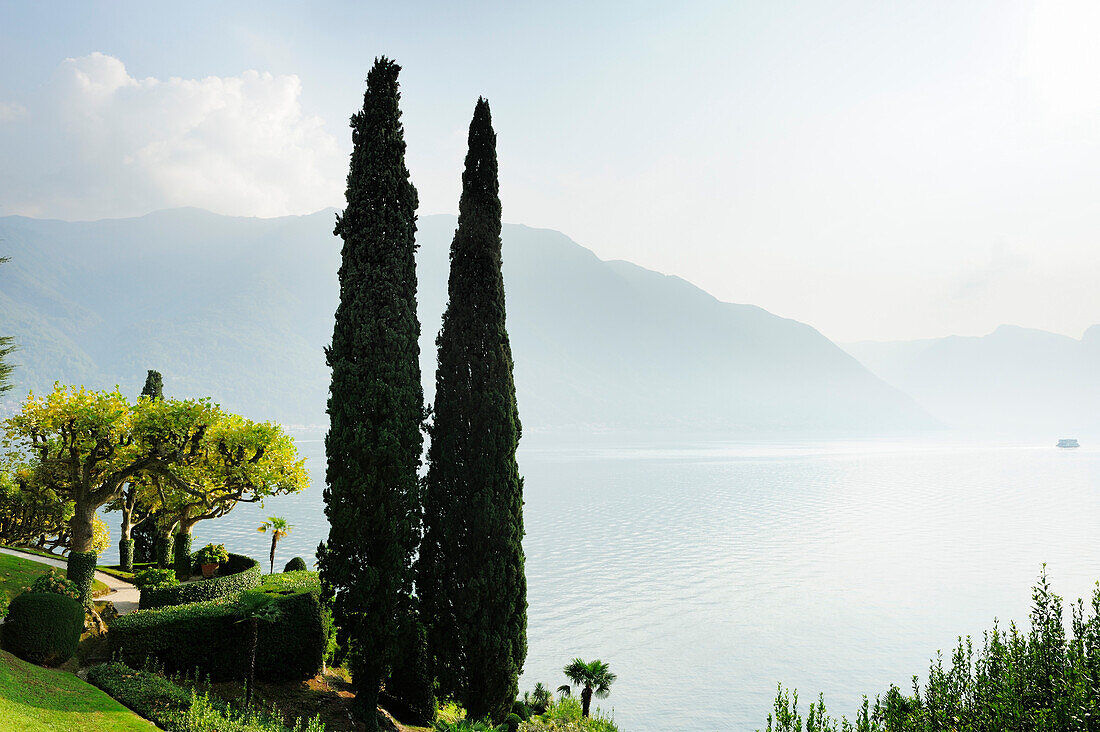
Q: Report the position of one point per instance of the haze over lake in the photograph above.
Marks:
(710, 571)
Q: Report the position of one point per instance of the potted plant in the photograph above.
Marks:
(210, 556)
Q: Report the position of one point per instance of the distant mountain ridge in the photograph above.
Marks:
(1014, 380)
(240, 309)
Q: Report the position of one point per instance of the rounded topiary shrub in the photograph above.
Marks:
(295, 565)
(43, 627)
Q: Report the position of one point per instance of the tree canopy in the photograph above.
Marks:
(85, 446)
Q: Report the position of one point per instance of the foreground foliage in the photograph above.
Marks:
(566, 715)
(177, 709)
(1034, 681)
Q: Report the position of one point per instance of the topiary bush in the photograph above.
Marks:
(43, 627)
(296, 565)
(81, 570)
(209, 636)
(238, 574)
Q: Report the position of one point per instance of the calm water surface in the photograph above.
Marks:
(708, 573)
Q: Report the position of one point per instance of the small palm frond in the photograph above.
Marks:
(565, 690)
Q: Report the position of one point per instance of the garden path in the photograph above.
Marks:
(123, 594)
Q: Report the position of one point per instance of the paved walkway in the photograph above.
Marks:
(123, 594)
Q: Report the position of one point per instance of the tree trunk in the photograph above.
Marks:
(272, 558)
(586, 700)
(82, 528)
(253, 641)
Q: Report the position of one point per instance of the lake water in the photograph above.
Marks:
(707, 573)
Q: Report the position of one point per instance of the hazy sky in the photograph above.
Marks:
(877, 169)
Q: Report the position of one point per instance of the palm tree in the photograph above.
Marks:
(594, 677)
(279, 528)
(539, 699)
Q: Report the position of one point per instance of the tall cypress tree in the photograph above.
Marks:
(375, 401)
(471, 580)
(154, 385)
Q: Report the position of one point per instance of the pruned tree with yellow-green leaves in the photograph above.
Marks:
(237, 461)
(93, 443)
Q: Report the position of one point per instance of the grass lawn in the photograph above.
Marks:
(17, 573)
(35, 699)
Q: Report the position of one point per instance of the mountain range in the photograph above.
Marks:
(240, 309)
(1014, 381)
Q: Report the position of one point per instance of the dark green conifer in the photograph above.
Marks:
(471, 576)
(154, 385)
(375, 401)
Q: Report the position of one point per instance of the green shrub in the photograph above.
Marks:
(55, 582)
(152, 578)
(81, 570)
(565, 716)
(175, 708)
(1036, 680)
(296, 565)
(465, 725)
(239, 573)
(151, 696)
(43, 627)
(210, 636)
(212, 554)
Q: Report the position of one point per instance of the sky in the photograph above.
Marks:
(878, 170)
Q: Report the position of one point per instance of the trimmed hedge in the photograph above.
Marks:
(126, 555)
(296, 565)
(240, 573)
(43, 627)
(182, 553)
(81, 570)
(209, 636)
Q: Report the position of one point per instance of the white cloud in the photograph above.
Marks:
(97, 142)
(10, 111)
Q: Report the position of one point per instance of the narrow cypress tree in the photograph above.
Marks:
(375, 401)
(154, 385)
(137, 541)
(471, 577)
